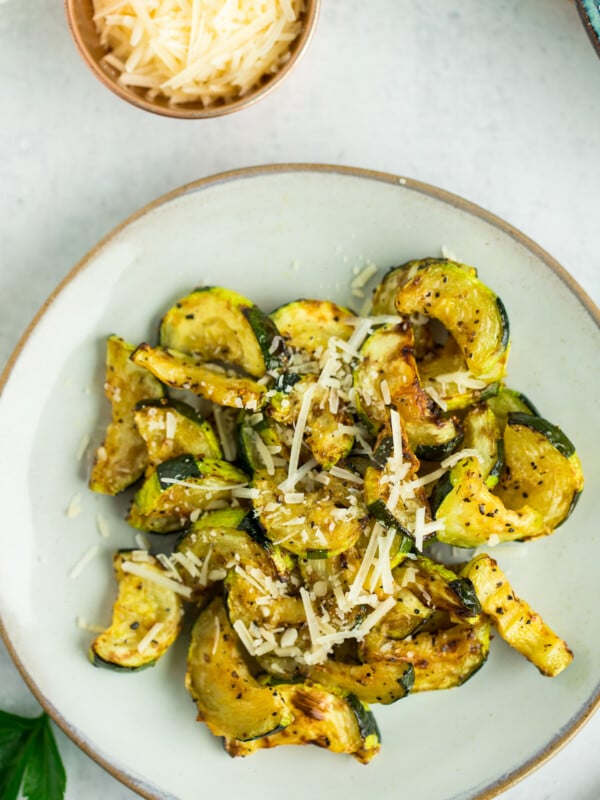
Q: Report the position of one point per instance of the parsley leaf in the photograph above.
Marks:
(29, 759)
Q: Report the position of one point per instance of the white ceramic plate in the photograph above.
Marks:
(276, 234)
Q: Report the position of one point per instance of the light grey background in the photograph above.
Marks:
(496, 101)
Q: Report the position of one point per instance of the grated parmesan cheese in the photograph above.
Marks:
(74, 508)
(205, 51)
(85, 559)
(149, 638)
(151, 575)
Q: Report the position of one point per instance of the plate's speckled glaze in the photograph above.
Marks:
(276, 233)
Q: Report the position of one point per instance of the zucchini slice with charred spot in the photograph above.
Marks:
(210, 381)
(171, 428)
(216, 324)
(339, 724)
(146, 619)
(328, 519)
(123, 456)
(230, 700)
(372, 683)
(180, 486)
(515, 620)
(541, 468)
(388, 355)
(308, 325)
(473, 314)
(439, 588)
(441, 659)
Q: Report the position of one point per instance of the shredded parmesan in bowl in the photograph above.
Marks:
(197, 51)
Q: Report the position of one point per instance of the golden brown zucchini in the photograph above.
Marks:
(515, 620)
(123, 456)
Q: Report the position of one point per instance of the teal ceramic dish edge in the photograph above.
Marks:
(589, 11)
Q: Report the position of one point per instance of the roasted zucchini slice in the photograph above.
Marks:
(472, 515)
(442, 659)
(439, 588)
(388, 359)
(339, 724)
(327, 519)
(171, 428)
(230, 700)
(180, 486)
(224, 540)
(515, 620)
(123, 456)
(329, 424)
(404, 619)
(381, 682)
(507, 401)
(384, 296)
(541, 469)
(259, 440)
(210, 381)
(308, 325)
(216, 324)
(483, 434)
(473, 314)
(146, 617)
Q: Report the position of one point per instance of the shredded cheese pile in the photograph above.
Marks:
(197, 50)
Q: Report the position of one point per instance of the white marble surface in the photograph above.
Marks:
(498, 102)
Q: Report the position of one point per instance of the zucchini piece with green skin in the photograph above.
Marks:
(181, 371)
(222, 540)
(384, 297)
(515, 620)
(322, 718)
(229, 699)
(483, 434)
(509, 400)
(255, 436)
(541, 467)
(123, 456)
(439, 588)
(179, 487)
(217, 324)
(308, 325)
(327, 432)
(472, 515)
(407, 616)
(388, 354)
(329, 520)
(441, 659)
(372, 683)
(171, 428)
(473, 314)
(143, 607)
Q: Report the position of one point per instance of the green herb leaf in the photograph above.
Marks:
(29, 759)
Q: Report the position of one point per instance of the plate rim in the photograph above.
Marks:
(506, 780)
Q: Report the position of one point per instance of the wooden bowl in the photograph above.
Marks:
(83, 29)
